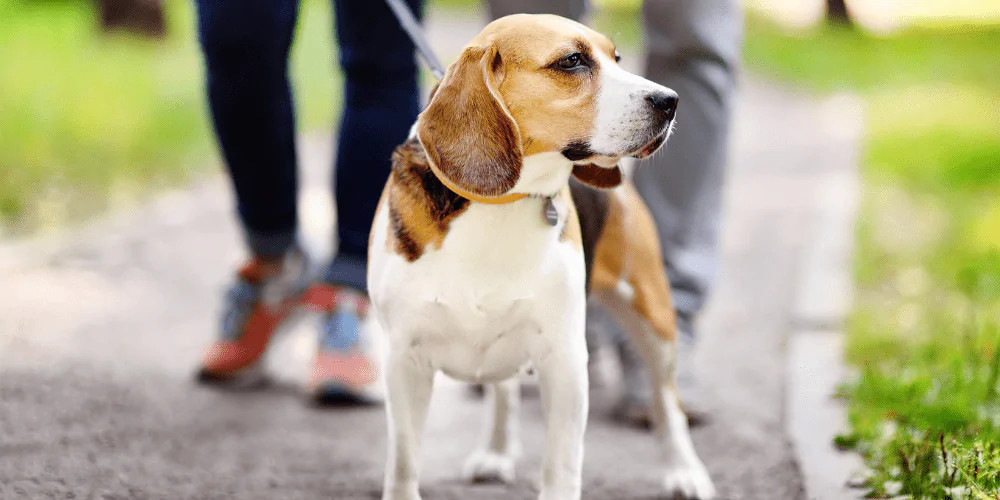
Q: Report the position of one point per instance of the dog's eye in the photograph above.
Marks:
(618, 57)
(571, 61)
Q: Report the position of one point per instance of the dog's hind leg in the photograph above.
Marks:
(409, 381)
(496, 460)
(686, 476)
(629, 278)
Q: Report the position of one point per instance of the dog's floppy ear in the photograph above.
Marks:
(598, 177)
(468, 133)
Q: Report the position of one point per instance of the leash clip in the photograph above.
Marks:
(550, 212)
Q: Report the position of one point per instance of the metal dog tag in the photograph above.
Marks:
(551, 214)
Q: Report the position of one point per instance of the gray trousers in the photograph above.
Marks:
(693, 47)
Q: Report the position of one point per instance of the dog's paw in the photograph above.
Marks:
(689, 482)
(489, 466)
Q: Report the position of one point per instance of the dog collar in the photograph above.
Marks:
(549, 211)
(490, 200)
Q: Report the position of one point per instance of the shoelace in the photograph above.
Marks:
(243, 296)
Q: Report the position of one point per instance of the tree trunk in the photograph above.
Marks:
(836, 12)
(143, 17)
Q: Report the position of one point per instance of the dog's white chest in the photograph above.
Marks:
(476, 305)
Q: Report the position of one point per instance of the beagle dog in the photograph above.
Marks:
(483, 249)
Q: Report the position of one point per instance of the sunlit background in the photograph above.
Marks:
(94, 120)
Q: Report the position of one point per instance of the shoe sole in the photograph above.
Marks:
(336, 395)
(252, 377)
(255, 375)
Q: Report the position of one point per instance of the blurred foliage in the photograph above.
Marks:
(925, 334)
(79, 109)
(87, 118)
(939, 137)
(829, 57)
(916, 402)
(463, 5)
(621, 20)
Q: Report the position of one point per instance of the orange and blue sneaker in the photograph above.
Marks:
(263, 299)
(344, 371)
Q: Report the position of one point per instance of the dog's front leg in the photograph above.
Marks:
(562, 371)
(496, 460)
(409, 381)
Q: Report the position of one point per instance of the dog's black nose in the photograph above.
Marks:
(664, 102)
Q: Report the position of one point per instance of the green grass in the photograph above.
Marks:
(925, 333)
(87, 119)
(463, 5)
(621, 21)
(833, 58)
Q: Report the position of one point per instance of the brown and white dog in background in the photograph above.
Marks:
(483, 250)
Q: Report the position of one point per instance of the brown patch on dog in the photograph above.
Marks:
(420, 207)
(382, 205)
(551, 107)
(629, 249)
(647, 273)
(598, 177)
(467, 131)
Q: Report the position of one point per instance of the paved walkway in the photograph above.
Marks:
(100, 331)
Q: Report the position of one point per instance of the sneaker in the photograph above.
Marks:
(344, 372)
(261, 300)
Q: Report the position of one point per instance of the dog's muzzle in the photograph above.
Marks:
(664, 108)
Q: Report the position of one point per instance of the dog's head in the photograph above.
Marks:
(533, 98)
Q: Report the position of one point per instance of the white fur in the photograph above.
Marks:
(495, 461)
(543, 174)
(622, 110)
(479, 295)
(502, 291)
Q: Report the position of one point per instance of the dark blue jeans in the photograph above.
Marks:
(246, 45)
